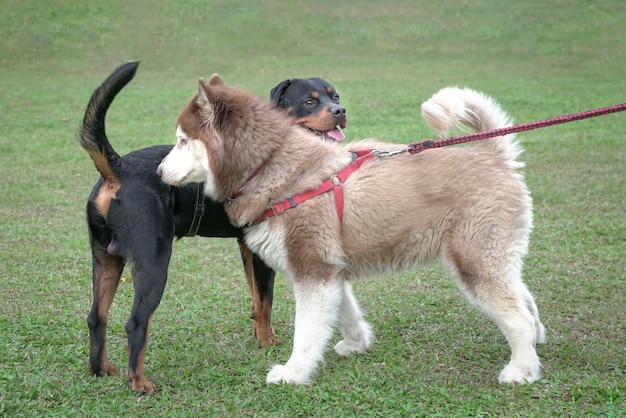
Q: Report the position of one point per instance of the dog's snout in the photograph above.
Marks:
(159, 171)
(338, 111)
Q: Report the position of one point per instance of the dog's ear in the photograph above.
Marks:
(210, 101)
(203, 96)
(216, 80)
(205, 100)
(205, 90)
(278, 93)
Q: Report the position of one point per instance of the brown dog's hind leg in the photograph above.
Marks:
(261, 283)
(488, 271)
(107, 271)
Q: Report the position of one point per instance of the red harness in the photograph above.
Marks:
(335, 183)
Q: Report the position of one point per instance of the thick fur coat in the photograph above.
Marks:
(467, 206)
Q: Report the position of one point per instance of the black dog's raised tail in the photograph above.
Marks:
(92, 137)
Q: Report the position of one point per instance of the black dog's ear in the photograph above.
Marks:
(278, 93)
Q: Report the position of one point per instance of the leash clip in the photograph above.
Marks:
(336, 180)
(388, 153)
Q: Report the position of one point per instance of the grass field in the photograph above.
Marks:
(434, 355)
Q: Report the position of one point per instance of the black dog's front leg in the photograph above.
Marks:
(261, 282)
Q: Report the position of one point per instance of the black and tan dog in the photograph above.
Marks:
(313, 103)
(133, 218)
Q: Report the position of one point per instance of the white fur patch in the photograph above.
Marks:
(187, 162)
(317, 307)
(268, 243)
(357, 334)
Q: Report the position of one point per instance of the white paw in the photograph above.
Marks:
(344, 348)
(517, 375)
(359, 345)
(285, 374)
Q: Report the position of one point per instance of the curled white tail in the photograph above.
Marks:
(452, 106)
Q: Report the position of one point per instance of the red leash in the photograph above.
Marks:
(416, 147)
(335, 183)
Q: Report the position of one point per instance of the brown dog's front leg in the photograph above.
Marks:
(261, 283)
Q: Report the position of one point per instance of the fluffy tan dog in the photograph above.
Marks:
(468, 206)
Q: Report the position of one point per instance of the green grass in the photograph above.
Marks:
(434, 355)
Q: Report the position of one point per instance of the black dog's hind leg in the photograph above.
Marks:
(149, 278)
(261, 282)
(150, 243)
(107, 271)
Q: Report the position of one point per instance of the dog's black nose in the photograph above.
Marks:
(338, 111)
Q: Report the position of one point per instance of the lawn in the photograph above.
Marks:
(434, 355)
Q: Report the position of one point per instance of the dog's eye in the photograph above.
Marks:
(182, 141)
(336, 98)
(309, 103)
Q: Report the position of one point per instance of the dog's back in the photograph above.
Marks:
(451, 188)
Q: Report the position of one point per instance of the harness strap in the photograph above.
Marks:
(335, 183)
(240, 192)
(198, 212)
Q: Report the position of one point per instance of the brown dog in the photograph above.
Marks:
(467, 206)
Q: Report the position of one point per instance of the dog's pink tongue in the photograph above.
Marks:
(336, 134)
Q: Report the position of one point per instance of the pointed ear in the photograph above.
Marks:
(204, 101)
(203, 97)
(216, 80)
(204, 89)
